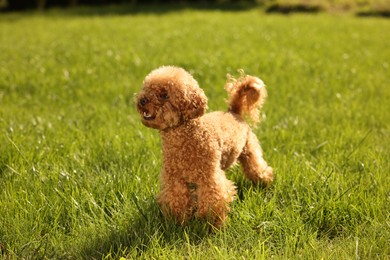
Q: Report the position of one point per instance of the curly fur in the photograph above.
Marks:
(198, 147)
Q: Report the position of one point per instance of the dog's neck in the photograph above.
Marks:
(180, 131)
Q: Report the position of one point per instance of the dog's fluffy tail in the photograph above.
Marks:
(246, 96)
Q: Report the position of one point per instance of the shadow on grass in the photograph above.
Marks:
(149, 229)
(273, 7)
(276, 8)
(374, 13)
(140, 9)
(163, 9)
(142, 227)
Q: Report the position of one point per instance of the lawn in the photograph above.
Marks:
(79, 172)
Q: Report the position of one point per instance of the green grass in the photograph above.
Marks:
(78, 172)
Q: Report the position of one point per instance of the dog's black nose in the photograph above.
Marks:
(143, 101)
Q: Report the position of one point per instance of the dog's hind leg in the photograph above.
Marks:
(255, 167)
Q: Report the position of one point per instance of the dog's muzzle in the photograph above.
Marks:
(143, 110)
(147, 115)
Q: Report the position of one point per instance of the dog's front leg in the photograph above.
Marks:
(214, 196)
(174, 200)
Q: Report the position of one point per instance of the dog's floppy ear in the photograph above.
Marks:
(195, 104)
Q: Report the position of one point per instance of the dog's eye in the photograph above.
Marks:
(164, 96)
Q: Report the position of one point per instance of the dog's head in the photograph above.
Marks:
(169, 97)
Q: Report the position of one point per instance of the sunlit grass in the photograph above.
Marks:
(78, 172)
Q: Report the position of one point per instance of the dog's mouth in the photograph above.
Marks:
(148, 116)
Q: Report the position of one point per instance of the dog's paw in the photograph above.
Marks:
(267, 177)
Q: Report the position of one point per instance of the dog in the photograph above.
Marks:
(198, 147)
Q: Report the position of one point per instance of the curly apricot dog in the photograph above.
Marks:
(197, 148)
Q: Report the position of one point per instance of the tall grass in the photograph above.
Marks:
(78, 172)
